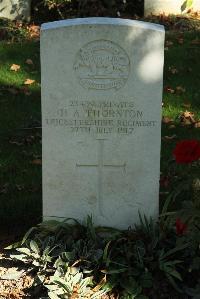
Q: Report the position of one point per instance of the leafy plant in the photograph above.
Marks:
(72, 284)
(70, 258)
(32, 254)
(186, 5)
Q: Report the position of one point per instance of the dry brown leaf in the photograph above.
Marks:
(19, 24)
(169, 138)
(34, 31)
(197, 124)
(187, 118)
(14, 294)
(180, 89)
(29, 82)
(180, 41)
(195, 41)
(186, 105)
(173, 70)
(37, 162)
(172, 127)
(15, 67)
(16, 142)
(186, 122)
(166, 120)
(169, 43)
(29, 61)
(169, 89)
(188, 114)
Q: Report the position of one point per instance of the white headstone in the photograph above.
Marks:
(169, 6)
(15, 9)
(102, 84)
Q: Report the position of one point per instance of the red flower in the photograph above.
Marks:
(180, 227)
(187, 151)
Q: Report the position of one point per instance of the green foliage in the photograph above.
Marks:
(73, 259)
(186, 5)
(47, 10)
(10, 31)
(72, 282)
(38, 257)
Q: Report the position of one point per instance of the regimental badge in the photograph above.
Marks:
(103, 65)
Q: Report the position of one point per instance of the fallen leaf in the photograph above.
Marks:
(180, 41)
(197, 124)
(15, 67)
(169, 89)
(186, 122)
(37, 162)
(29, 61)
(169, 138)
(186, 105)
(16, 142)
(172, 127)
(19, 24)
(166, 120)
(29, 82)
(195, 41)
(15, 293)
(180, 89)
(187, 118)
(173, 70)
(188, 114)
(34, 31)
(169, 43)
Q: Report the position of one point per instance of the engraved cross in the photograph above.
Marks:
(100, 166)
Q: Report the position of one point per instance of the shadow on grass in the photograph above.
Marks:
(20, 161)
(20, 143)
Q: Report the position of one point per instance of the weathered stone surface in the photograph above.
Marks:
(15, 9)
(168, 6)
(101, 109)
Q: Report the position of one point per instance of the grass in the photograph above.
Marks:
(183, 57)
(20, 146)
